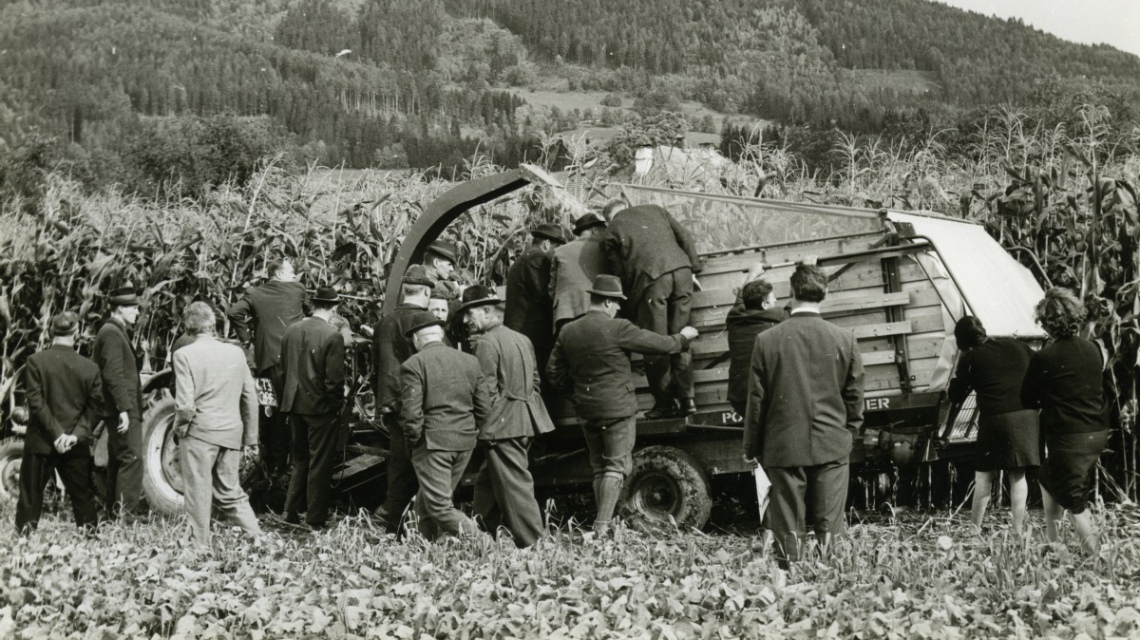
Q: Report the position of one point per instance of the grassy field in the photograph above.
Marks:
(921, 577)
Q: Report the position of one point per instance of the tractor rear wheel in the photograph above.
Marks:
(667, 484)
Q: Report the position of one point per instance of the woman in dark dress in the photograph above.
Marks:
(1065, 379)
(1007, 431)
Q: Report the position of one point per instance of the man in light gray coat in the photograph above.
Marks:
(573, 268)
(216, 415)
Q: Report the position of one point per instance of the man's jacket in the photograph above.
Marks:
(215, 395)
(530, 311)
(445, 399)
(644, 243)
(312, 352)
(591, 356)
(118, 368)
(573, 267)
(805, 392)
(391, 348)
(274, 306)
(743, 326)
(516, 407)
(64, 395)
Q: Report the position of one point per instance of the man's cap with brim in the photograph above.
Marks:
(607, 286)
(550, 232)
(477, 296)
(326, 294)
(417, 275)
(443, 249)
(588, 221)
(124, 296)
(422, 320)
(64, 324)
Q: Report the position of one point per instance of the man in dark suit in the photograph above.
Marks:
(805, 396)
(312, 352)
(573, 267)
(656, 258)
(530, 309)
(64, 393)
(591, 357)
(504, 489)
(272, 307)
(391, 348)
(122, 404)
(756, 310)
(215, 416)
(442, 407)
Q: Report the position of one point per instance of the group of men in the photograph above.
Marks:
(797, 381)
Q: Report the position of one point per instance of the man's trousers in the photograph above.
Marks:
(124, 466)
(210, 477)
(504, 491)
(274, 432)
(314, 449)
(402, 482)
(439, 473)
(74, 469)
(665, 308)
(798, 492)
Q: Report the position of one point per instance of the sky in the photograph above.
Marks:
(1112, 22)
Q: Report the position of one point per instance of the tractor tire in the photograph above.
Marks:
(162, 470)
(667, 484)
(11, 458)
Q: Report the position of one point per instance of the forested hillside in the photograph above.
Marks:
(426, 82)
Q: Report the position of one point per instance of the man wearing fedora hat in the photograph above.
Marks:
(312, 352)
(443, 404)
(122, 403)
(530, 310)
(64, 394)
(270, 308)
(591, 357)
(504, 488)
(391, 348)
(656, 258)
(573, 267)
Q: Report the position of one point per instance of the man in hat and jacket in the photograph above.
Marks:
(504, 488)
(440, 258)
(656, 258)
(122, 404)
(64, 394)
(215, 417)
(312, 352)
(530, 310)
(573, 267)
(444, 403)
(272, 307)
(805, 398)
(591, 357)
(391, 348)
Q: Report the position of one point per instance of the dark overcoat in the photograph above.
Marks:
(530, 311)
(274, 306)
(516, 406)
(743, 325)
(64, 395)
(118, 368)
(645, 242)
(312, 352)
(391, 348)
(445, 398)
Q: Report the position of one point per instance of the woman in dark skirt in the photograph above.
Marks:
(1007, 431)
(1065, 379)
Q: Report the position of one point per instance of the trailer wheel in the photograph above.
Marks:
(11, 459)
(667, 483)
(162, 471)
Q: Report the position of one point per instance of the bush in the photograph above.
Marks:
(611, 100)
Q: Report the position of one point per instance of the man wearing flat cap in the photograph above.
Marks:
(312, 352)
(122, 403)
(444, 403)
(64, 394)
(268, 309)
(591, 357)
(391, 348)
(530, 310)
(504, 489)
(656, 258)
(440, 259)
(573, 267)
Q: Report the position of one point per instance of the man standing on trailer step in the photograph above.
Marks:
(573, 267)
(655, 257)
(591, 357)
(313, 354)
(64, 394)
(122, 404)
(215, 416)
(443, 405)
(273, 306)
(391, 348)
(504, 489)
(805, 397)
(530, 309)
